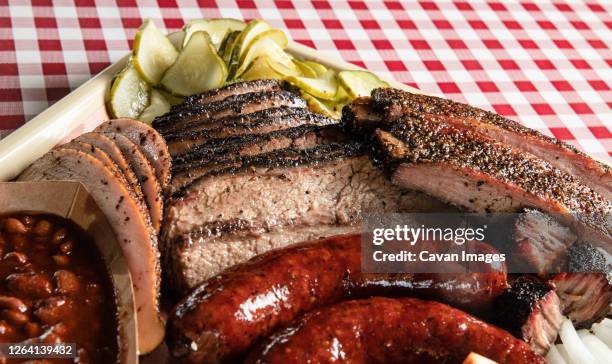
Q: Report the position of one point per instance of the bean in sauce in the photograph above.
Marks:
(54, 287)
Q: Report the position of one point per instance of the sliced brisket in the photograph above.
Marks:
(262, 122)
(238, 88)
(272, 200)
(232, 152)
(194, 117)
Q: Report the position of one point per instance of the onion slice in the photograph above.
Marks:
(576, 350)
(554, 356)
(597, 347)
(604, 333)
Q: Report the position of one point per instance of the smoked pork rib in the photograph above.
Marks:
(393, 104)
(476, 173)
(541, 243)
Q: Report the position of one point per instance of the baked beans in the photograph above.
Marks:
(55, 288)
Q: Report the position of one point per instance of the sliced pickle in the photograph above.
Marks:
(271, 43)
(324, 87)
(176, 38)
(227, 44)
(317, 67)
(198, 68)
(342, 97)
(325, 107)
(158, 106)
(216, 28)
(252, 30)
(128, 95)
(260, 69)
(153, 53)
(305, 69)
(360, 83)
(172, 99)
(282, 69)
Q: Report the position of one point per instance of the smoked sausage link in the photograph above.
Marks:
(221, 319)
(384, 330)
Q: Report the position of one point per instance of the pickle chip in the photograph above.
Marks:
(158, 106)
(129, 94)
(260, 69)
(270, 43)
(153, 53)
(176, 38)
(360, 83)
(198, 68)
(318, 68)
(252, 30)
(305, 69)
(324, 87)
(325, 107)
(216, 28)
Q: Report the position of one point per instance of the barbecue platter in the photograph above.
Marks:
(235, 177)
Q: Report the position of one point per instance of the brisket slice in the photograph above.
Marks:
(272, 200)
(192, 118)
(129, 220)
(181, 144)
(530, 310)
(394, 104)
(541, 243)
(228, 122)
(476, 173)
(235, 151)
(238, 88)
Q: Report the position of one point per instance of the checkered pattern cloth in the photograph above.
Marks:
(547, 65)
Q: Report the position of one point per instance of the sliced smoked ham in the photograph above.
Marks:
(130, 223)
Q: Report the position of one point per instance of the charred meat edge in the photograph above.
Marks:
(289, 157)
(395, 104)
(530, 310)
(440, 148)
(195, 116)
(186, 144)
(233, 152)
(238, 88)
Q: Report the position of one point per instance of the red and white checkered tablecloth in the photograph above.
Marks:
(546, 64)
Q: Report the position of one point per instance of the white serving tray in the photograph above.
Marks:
(83, 109)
